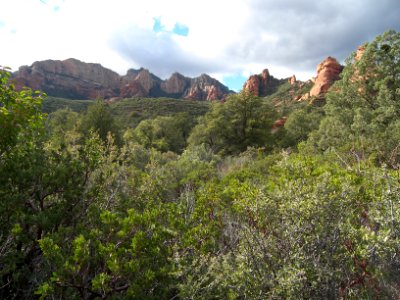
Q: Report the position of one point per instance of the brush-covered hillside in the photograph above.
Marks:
(286, 190)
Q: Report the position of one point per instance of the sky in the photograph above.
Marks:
(227, 39)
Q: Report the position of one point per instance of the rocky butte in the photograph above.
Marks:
(328, 71)
(75, 79)
(262, 84)
(206, 88)
(70, 78)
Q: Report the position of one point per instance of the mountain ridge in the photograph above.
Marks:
(74, 79)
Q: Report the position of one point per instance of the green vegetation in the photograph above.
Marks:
(51, 104)
(230, 128)
(129, 112)
(284, 98)
(135, 200)
(362, 115)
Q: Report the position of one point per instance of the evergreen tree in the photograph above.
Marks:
(363, 108)
(230, 127)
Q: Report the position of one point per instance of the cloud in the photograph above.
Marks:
(235, 37)
(159, 51)
(300, 34)
(224, 38)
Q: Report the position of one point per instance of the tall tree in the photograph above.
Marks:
(230, 127)
(99, 119)
(164, 133)
(363, 108)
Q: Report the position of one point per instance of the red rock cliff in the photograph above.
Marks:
(206, 88)
(262, 84)
(328, 72)
(69, 78)
(176, 84)
(74, 79)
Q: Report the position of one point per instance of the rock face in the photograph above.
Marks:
(70, 78)
(292, 80)
(262, 84)
(206, 88)
(177, 84)
(278, 124)
(328, 72)
(359, 53)
(253, 85)
(140, 83)
(74, 79)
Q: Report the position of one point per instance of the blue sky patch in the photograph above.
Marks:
(157, 27)
(2, 24)
(234, 82)
(180, 29)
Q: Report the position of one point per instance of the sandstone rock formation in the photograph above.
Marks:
(74, 79)
(206, 88)
(292, 80)
(359, 53)
(253, 85)
(279, 123)
(328, 72)
(140, 83)
(177, 84)
(70, 78)
(132, 89)
(261, 85)
(148, 80)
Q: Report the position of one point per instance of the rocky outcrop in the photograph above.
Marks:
(132, 89)
(278, 124)
(140, 83)
(206, 88)
(69, 78)
(74, 79)
(148, 81)
(262, 84)
(328, 72)
(292, 80)
(177, 84)
(359, 53)
(253, 85)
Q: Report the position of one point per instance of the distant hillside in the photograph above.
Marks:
(133, 110)
(74, 79)
(51, 104)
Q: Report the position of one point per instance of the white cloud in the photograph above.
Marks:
(225, 37)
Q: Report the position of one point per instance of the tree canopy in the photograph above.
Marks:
(230, 127)
(222, 207)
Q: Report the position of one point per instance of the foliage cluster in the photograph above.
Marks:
(219, 207)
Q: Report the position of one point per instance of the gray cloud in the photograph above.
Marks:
(159, 53)
(305, 33)
(308, 31)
